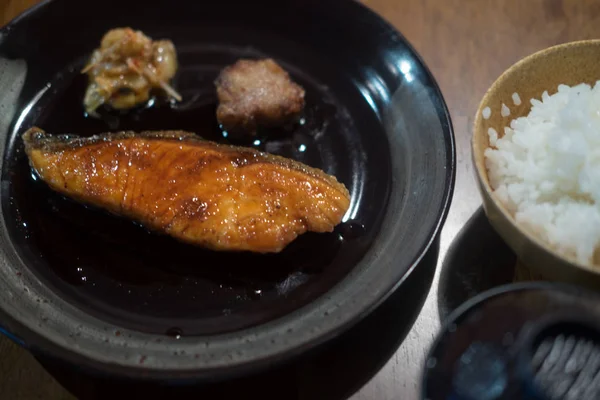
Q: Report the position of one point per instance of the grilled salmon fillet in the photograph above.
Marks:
(212, 195)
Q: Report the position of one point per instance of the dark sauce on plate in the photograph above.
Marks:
(126, 275)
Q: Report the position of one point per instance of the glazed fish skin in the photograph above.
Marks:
(215, 196)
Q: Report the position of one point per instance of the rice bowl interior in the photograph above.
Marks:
(540, 187)
(545, 170)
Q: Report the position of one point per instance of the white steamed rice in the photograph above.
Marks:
(546, 170)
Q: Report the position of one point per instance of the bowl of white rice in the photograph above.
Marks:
(536, 149)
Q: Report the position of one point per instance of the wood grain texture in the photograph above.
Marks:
(466, 44)
(11, 8)
(23, 378)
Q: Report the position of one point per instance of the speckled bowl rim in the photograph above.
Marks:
(482, 175)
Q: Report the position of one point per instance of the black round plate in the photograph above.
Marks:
(98, 290)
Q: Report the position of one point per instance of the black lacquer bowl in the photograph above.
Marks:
(101, 292)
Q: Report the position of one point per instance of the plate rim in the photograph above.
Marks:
(26, 337)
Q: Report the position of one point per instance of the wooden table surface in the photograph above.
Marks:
(466, 44)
